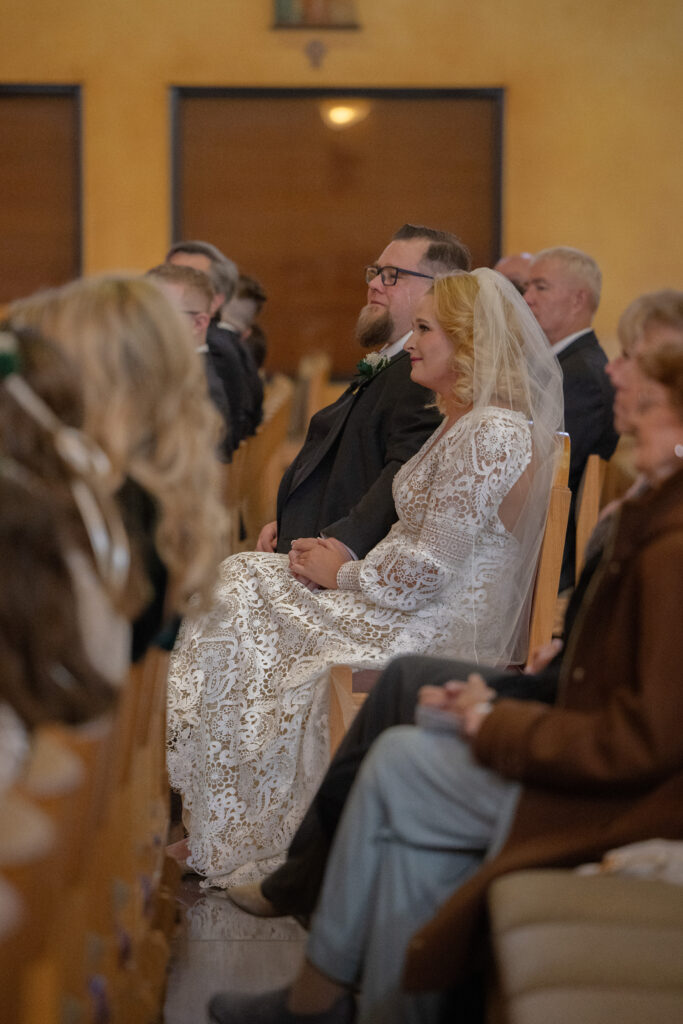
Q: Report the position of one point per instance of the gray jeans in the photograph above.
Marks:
(421, 818)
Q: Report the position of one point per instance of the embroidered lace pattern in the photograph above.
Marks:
(248, 700)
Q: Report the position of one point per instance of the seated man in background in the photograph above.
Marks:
(232, 360)
(240, 312)
(563, 293)
(191, 292)
(340, 483)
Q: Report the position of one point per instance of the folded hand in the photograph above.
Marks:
(267, 538)
(468, 701)
(456, 696)
(316, 560)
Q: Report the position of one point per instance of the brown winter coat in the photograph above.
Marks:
(604, 767)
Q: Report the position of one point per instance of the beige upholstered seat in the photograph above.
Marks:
(572, 949)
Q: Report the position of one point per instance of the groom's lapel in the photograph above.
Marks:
(335, 417)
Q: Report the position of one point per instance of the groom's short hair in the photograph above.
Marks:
(445, 252)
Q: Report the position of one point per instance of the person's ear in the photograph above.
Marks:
(582, 299)
(202, 321)
(216, 303)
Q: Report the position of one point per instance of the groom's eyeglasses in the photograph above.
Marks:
(389, 275)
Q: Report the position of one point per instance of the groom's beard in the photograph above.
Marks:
(374, 327)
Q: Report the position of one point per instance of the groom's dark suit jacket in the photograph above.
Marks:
(340, 482)
(588, 400)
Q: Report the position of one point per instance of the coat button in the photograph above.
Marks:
(579, 674)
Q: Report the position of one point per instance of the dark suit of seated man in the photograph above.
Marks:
(237, 318)
(340, 483)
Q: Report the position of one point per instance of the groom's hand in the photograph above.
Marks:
(267, 538)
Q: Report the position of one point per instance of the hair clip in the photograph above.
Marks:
(81, 454)
(89, 464)
(101, 520)
(107, 536)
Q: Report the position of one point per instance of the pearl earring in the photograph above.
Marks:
(678, 451)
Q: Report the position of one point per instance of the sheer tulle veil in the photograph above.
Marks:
(514, 368)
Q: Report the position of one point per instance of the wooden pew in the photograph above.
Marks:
(588, 505)
(84, 850)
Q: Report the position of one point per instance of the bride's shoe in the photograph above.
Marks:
(250, 898)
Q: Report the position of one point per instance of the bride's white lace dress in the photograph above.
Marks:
(248, 698)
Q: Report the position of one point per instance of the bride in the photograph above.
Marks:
(248, 700)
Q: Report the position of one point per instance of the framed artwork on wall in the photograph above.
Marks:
(314, 14)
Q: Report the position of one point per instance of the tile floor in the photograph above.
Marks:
(217, 946)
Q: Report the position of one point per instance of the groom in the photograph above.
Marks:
(339, 485)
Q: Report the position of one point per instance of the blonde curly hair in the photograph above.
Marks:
(146, 405)
(480, 375)
(454, 298)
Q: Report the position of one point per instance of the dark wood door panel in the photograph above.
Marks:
(304, 208)
(39, 188)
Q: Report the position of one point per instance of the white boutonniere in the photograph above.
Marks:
(371, 364)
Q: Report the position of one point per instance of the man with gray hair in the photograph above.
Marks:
(222, 271)
(563, 293)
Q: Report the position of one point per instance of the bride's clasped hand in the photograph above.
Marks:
(317, 560)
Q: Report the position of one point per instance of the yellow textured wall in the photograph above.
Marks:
(593, 141)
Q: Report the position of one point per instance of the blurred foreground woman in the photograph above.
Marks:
(145, 404)
(109, 515)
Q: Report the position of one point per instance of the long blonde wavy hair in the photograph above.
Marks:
(146, 405)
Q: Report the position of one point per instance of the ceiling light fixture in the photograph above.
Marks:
(340, 113)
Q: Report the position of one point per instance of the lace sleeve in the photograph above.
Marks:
(474, 471)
